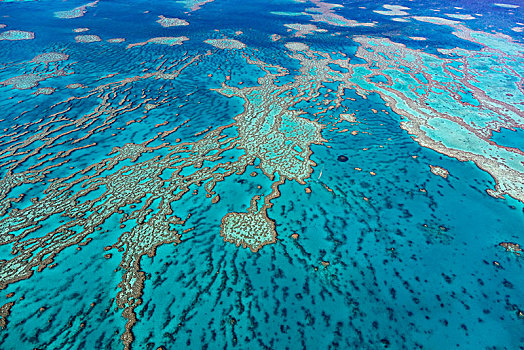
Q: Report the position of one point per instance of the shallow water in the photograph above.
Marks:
(343, 182)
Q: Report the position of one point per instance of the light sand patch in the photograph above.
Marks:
(164, 40)
(508, 6)
(226, 44)
(116, 40)
(15, 35)
(294, 46)
(458, 16)
(435, 20)
(304, 29)
(171, 22)
(87, 38)
(393, 10)
(76, 12)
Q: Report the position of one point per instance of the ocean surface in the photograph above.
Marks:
(285, 174)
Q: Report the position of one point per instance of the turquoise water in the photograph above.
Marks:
(377, 150)
(509, 138)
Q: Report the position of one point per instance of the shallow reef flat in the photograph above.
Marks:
(297, 174)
